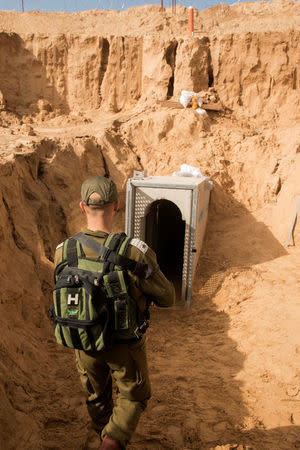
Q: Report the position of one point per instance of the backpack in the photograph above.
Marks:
(92, 307)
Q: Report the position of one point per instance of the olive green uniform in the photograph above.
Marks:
(126, 361)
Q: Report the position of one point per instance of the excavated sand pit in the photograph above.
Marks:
(97, 92)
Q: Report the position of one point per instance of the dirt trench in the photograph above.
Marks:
(71, 105)
(195, 357)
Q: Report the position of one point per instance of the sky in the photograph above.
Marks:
(80, 5)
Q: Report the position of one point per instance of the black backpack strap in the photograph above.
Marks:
(137, 268)
(115, 245)
(72, 257)
(122, 237)
(106, 264)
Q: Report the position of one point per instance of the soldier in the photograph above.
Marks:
(124, 360)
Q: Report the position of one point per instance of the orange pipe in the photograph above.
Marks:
(191, 20)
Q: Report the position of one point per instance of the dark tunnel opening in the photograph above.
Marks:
(210, 71)
(171, 60)
(165, 231)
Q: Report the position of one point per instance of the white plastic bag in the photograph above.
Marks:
(188, 171)
(186, 97)
(194, 171)
(201, 111)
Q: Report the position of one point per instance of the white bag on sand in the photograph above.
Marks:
(186, 97)
(200, 111)
(188, 171)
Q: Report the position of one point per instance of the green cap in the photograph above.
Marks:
(103, 186)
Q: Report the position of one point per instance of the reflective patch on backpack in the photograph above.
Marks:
(59, 245)
(142, 246)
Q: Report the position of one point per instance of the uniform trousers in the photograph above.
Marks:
(127, 364)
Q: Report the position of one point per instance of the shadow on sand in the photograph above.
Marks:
(198, 400)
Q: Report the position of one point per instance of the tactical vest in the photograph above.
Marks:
(92, 307)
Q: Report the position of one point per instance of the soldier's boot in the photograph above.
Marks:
(110, 443)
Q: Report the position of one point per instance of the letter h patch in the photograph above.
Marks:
(73, 300)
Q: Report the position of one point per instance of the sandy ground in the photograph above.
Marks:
(79, 97)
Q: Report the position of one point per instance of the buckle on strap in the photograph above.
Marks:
(50, 312)
(140, 330)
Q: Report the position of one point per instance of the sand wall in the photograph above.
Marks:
(36, 213)
(254, 74)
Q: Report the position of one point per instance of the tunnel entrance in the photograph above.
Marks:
(170, 214)
(164, 233)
